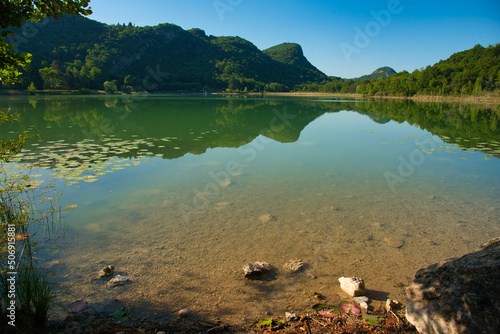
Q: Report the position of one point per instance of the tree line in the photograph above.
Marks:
(472, 72)
(73, 53)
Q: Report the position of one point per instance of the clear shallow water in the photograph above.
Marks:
(180, 193)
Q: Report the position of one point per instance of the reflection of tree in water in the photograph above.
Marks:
(469, 126)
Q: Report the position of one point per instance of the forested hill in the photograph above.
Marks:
(74, 53)
(290, 53)
(471, 72)
(382, 72)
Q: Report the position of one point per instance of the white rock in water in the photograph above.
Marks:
(361, 299)
(354, 286)
(117, 280)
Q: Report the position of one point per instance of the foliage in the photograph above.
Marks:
(21, 225)
(289, 53)
(74, 53)
(31, 89)
(382, 72)
(20, 222)
(471, 72)
(34, 296)
(9, 147)
(110, 87)
(14, 14)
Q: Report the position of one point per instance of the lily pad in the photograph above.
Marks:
(77, 306)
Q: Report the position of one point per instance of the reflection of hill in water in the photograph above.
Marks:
(174, 127)
(179, 125)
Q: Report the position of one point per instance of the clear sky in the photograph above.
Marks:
(341, 38)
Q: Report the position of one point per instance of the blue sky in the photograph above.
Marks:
(341, 38)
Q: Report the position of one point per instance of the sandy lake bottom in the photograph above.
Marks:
(179, 208)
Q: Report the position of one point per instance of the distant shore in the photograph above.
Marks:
(484, 99)
(487, 99)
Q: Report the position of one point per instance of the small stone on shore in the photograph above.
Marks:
(107, 271)
(184, 313)
(354, 286)
(290, 316)
(391, 304)
(361, 299)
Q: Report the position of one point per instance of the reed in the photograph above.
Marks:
(24, 229)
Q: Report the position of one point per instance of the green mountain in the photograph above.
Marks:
(382, 72)
(470, 72)
(290, 53)
(75, 53)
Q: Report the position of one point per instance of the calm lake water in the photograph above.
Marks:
(179, 193)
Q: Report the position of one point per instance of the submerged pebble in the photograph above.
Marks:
(394, 242)
(267, 218)
(256, 270)
(225, 183)
(294, 265)
(117, 280)
(107, 271)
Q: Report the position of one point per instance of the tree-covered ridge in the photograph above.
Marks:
(75, 53)
(472, 72)
(290, 53)
(382, 72)
(468, 72)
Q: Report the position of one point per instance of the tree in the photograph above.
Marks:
(33, 294)
(110, 87)
(31, 89)
(14, 14)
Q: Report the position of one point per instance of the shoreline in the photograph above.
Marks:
(469, 99)
(417, 98)
(381, 321)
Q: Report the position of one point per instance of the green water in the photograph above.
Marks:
(179, 193)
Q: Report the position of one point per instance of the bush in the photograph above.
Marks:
(110, 87)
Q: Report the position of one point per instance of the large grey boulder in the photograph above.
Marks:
(460, 295)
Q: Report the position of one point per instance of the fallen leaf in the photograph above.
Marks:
(77, 306)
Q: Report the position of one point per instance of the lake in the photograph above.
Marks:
(178, 193)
